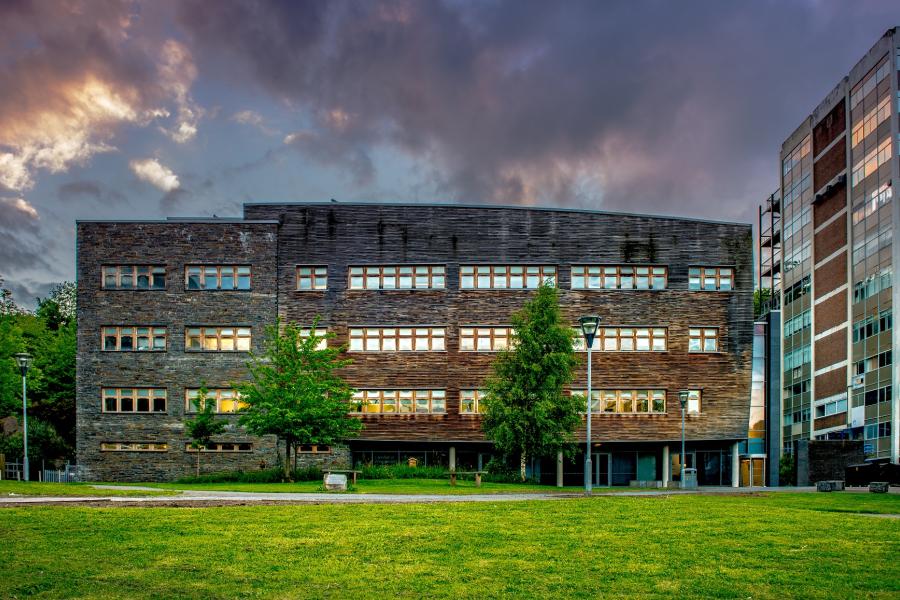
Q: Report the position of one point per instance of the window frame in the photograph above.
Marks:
(218, 394)
(135, 397)
(508, 335)
(601, 398)
(203, 336)
(133, 271)
(604, 335)
(397, 338)
(235, 448)
(705, 273)
(219, 270)
(476, 272)
(394, 271)
(313, 276)
(153, 334)
(152, 447)
(475, 398)
(587, 273)
(361, 401)
(703, 336)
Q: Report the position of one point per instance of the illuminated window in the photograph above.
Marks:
(505, 277)
(134, 447)
(312, 278)
(704, 339)
(711, 278)
(134, 339)
(399, 402)
(397, 339)
(626, 401)
(134, 400)
(217, 277)
(470, 401)
(870, 163)
(625, 339)
(226, 400)
(398, 277)
(618, 277)
(134, 277)
(485, 339)
(217, 339)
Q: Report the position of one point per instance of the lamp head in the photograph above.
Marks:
(589, 326)
(683, 398)
(24, 361)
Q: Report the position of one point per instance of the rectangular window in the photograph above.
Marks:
(321, 332)
(397, 339)
(134, 400)
(618, 277)
(134, 447)
(134, 339)
(398, 277)
(399, 402)
(217, 277)
(704, 339)
(485, 339)
(310, 279)
(221, 447)
(625, 339)
(877, 430)
(313, 449)
(505, 277)
(711, 278)
(134, 277)
(470, 401)
(693, 403)
(226, 400)
(217, 339)
(627, 401)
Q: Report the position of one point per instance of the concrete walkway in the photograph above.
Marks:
(200, 496)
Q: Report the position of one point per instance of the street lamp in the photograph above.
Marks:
(24, 360)
(683, 398)
(589, 326)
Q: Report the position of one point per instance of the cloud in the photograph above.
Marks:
(18, 208)
(74, 191)
(154, 173)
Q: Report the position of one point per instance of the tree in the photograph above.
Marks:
(526, 412)
(205, 426)
(760, 297)
(58, 308)
(8, 306)
(295, 393)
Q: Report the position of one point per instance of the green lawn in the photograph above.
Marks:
(374, 486)
(35, 488)
(780, 545)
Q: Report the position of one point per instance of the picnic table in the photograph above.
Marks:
(477, 475)
(352, 473)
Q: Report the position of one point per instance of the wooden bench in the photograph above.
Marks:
(477, 475)
(352, 474)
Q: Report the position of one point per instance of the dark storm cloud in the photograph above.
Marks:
(661, 106)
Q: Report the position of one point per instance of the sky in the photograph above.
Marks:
(142, 110)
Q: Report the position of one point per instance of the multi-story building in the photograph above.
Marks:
(826, 251)
(421, 297)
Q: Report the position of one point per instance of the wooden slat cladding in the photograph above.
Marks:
(342, 235)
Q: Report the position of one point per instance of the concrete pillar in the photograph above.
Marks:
(735, 465)
(666, 466)
(452, 458)
(559, 469)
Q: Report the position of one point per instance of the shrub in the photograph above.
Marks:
(402, 472)
(264, 476)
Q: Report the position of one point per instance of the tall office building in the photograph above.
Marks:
(826, 251)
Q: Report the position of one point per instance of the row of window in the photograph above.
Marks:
(871, 121)
(865, 87)
(797, 358)
(421, 401)
(871, 161)
(878, 430)
(404, 339)
(797, 324)
(424, 277)
(872, 326)
(211, 447)
(866, 365)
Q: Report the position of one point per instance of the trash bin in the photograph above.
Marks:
(690, 479)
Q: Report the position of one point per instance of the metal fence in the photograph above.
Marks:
(66, 475)
(12, 471)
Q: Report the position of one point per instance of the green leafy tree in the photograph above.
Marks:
(205, 425)
(295, 392)
(58, 308)
(527, 415)
(760, 297)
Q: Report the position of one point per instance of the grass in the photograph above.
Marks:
(372, 486)
(36, 488)
(780, 545)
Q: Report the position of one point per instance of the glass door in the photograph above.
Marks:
(601, 469)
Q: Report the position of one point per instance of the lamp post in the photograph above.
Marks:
(24, 360)
(683, 398)
(589, 326)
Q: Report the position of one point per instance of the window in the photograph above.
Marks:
(693, 402)
(134, 339)
(831, 408)
(398, 277)
(877, 430)
(625, 339)
(221, 447)
(470, 401)
(704, 339)
(226, 400)
(618, 277)
(711, 278)
(883, 394)
(217, 339)
(797, 290)
(399, 401)
(866, 86)
(797, 324)
(217, 277)
(627, 401)
(485, 339)
(871, 161)
(500, 277)
(134, 277)
(397, 339)
(313, 449)
(872, 326)
(320, 333)
(312, 278)
(797, 357)
(872, 285)
(134, 400)
(134, 447)
(871, 120)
